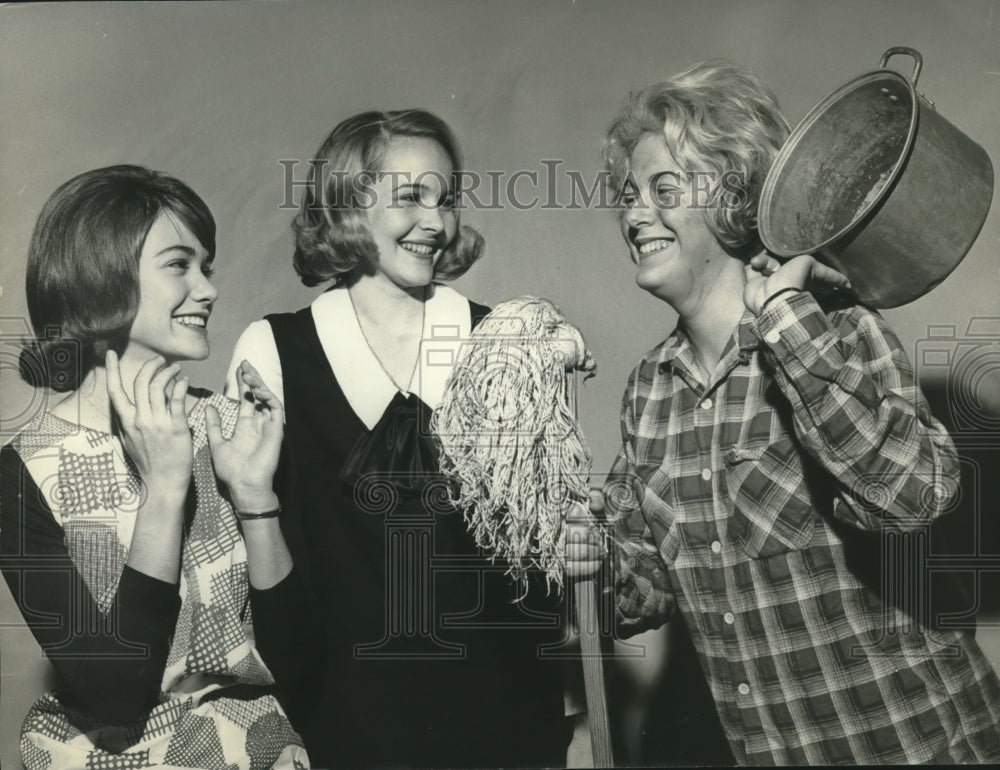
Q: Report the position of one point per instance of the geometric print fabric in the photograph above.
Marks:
(96, 500)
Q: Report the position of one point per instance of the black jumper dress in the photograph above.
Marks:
(425, 659)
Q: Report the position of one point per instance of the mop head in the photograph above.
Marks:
(510, 442)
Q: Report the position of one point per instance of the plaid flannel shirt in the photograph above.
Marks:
(765, 506)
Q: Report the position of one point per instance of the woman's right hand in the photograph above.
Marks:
(153, 422)
(767, 277)
(585, 549)
(246, 462)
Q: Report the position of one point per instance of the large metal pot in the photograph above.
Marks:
(875, 183)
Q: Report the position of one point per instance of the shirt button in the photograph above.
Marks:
(743, 689)
(773, 337)
(716, 546)
(706, 404)
(730, 618)
(706, 473)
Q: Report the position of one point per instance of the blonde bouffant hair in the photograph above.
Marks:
(714, 117)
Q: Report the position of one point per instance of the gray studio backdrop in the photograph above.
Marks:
(219, 93)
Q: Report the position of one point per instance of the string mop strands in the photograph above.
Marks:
(510, 441)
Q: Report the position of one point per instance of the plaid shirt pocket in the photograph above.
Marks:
(653, 488)
(772, 509)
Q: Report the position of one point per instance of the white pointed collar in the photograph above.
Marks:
(369, 390)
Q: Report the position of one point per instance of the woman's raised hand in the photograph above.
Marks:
(246, 462)
(153, 422)
(766, 276)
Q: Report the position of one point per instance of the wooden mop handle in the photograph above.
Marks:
(593, 672)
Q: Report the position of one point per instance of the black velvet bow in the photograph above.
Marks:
(400, 449)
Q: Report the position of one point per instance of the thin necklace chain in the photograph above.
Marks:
(101, 409)
(416, 360)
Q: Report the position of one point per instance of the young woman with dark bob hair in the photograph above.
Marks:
(428, 662)
(136, 563)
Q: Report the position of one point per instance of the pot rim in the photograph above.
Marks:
(794, 139)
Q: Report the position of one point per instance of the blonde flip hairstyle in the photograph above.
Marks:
(714, 117)
(332, 238)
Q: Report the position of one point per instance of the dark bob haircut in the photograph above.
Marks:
(332, 239)
(83, 265)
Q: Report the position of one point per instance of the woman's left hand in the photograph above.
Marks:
(766, 276)
(247, 461)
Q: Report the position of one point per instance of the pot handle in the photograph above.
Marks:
(917, 58)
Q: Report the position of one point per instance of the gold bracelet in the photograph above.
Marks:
(253, 516)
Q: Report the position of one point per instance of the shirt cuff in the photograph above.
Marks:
(790, 321)
(796, 329)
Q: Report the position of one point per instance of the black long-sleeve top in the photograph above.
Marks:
(110, 655)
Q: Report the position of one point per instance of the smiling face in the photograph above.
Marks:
(413, 218)
(678, 257)
(175, 295)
